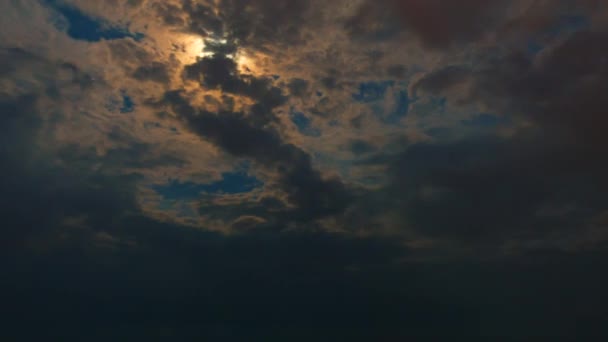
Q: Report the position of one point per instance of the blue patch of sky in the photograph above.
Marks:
(372, 91)
(123, 104)
(128, 105)
(81, 26)
(231, 183)
(401, 108)
(303, 124)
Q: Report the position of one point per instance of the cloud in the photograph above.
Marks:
(489, 188)
(156, 72)
(301, 170)
(243, 137)
(436, 23)
(245, 97)
(45, 183)
(37, 195)
(298, 87)
(179, 274)
(438, 81)
(220, 71)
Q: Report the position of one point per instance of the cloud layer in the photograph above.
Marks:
(371, 169)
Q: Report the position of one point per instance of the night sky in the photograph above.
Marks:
(304, 170)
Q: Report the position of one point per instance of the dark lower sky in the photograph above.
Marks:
(303, 170)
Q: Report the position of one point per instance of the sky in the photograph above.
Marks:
(304, 170)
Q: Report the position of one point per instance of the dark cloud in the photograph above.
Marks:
(178, 278)
(298, 87)
(156, 72)
(127, 50)
(254, 24)
(64, 74)
(243, 137)
(562, 93)
(157, 277)
(329, 82)
(442, 24)
(494, 189)
(170, 14)
(8, 56)
(202, 18)
(441, 80)
(396, 71)
(37, 194)
(437, 23)
(360, 147)
(248, 135)
(220, 71)
(160, 268)
(472, 190)
(43, 186)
